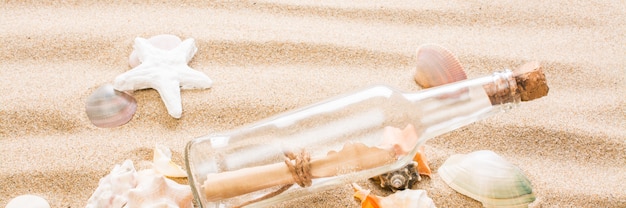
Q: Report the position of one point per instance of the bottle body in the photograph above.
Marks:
(326, 127)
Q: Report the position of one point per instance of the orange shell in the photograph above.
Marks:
(422, 162)
(403, 199)
(367, 200)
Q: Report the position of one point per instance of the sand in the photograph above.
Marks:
(267, 57)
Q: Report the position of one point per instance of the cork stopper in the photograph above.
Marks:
(531, 81)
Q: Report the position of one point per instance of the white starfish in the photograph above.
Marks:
(166, 71)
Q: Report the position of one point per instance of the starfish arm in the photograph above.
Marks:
(145, 49)
(135, 79)
(192, 79)
(142, 47)
(170, 94)
(188, 48)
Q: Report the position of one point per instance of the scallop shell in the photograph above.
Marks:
(437, 66)
(164, 41)
(408, 198)
(155, 190)
(113, 189)
(488, 178)
(28, 201)
(107, 107)
(162, 163)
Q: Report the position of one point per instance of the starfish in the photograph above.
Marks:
(166, 71)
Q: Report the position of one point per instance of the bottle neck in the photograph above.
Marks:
(446, 108)
(503, 90)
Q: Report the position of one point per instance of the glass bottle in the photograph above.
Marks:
(240, 167)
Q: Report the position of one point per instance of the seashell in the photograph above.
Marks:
(422, 162)
(488, 178)
(107, 107)
(403, 142)
(113, 189)
(400, 179)
(407, 198)
(155, 190)
(29, 201)
(162, 163)
(164, 41)
(437, 66)
(125, 187)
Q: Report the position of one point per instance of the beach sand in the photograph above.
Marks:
(267, 57)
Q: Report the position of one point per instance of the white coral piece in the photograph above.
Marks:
(113, 189)
(155, 190)
(125, 187)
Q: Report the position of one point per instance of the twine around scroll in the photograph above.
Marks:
(300, 167)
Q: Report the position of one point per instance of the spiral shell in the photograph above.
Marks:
(437, 66)
(402, 141)
(401, 179)
(488, 178)
(107, 107)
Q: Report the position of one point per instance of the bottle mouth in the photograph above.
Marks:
(503, 89)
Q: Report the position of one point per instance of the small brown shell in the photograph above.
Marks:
(437, 66)
(107, 107)
(401, 179)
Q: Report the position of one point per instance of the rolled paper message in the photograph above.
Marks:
(353, 157)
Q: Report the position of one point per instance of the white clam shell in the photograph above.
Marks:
(488, 178)
(28, 201)
(107, 107)
(162, 163)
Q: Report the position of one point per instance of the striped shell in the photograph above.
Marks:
(107, 107)
(437, 66)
